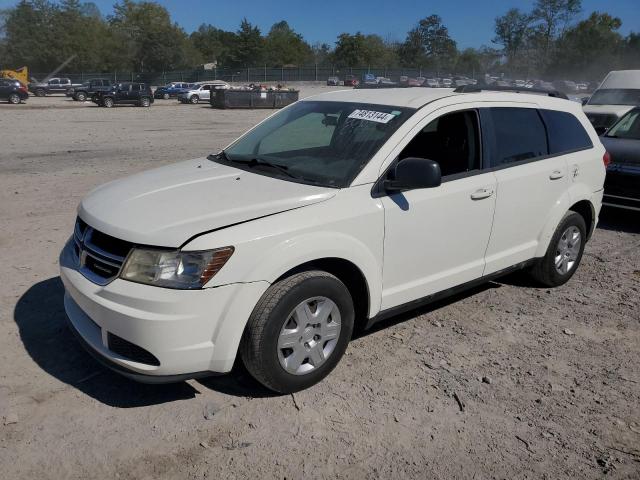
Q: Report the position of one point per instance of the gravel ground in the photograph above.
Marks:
(505, 381)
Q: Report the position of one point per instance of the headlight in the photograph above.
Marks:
(174, 269)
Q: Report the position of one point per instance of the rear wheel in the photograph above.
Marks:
(564, 252)
(40, 92)
(107, 102)
(81, 96)
(14, 99)
(298, 331)
(194, 99)
(145, 102)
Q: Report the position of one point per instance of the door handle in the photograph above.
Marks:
(482, 193)
(556, 174)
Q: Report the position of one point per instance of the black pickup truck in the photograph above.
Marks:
(89, 88)
(132, 93)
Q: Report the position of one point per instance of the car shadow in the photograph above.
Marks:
(619, 220)
(43, 329)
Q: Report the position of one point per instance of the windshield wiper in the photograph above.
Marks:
(258, 162)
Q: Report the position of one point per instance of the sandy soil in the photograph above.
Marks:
(505, 381)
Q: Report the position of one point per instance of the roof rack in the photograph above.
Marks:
(476, 89)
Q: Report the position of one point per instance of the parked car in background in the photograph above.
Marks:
(89, 88)
(13, 91)
(446, 82)
(53, 85)
(172, 90)
(431, 82)
(618, 93)
(201, 92)
(125, 93)
(333, 81)
(274, 249)
(351, 81)
(622, 141)
(565, 86)
(541, 85)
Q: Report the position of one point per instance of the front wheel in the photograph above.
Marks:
(194, 99)
(166, 96)
(40, 92)
(81, 96)
(107, 102)
(564, 252)
(14, 99)
(145, 102)
(298, 331)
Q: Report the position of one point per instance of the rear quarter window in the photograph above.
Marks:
(566, 133)
(519, 134)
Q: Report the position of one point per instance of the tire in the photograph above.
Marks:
(145, 102)
(80, 96)
(194, 99)
(40, 92)
(14, 99)
(563, 250)
(166, 96)
(287, 370)
(107, 102)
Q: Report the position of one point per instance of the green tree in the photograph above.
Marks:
(283, 46)
(590, 49)
(551, 18)
(148, 39)
(249, 47)
(214, 44)
(512, 31)
(361, 50)
(429, 45)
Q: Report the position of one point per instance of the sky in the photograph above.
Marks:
(470, 22)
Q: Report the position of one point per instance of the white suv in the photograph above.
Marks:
(333, 213)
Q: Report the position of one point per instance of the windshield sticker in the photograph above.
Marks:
(372, 116)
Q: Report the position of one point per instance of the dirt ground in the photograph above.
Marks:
(505, 381)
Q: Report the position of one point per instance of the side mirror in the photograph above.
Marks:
(413, 173)
(585, 100)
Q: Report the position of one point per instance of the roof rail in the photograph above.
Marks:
(476, 89)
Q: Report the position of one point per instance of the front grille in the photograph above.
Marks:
(130, 351)
(100, 256)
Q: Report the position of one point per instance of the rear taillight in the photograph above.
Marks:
(606, 159)
(23, 89)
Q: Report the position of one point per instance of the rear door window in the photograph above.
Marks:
(566, 133)
(519, 135)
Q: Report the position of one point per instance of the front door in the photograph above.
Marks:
(436, 238)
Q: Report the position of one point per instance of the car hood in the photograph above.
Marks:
(169, 205)
(618, 110)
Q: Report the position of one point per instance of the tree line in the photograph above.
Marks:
(547, 41)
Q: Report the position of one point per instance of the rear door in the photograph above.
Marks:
(529, 182)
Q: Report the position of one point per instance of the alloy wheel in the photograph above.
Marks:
(567, 250)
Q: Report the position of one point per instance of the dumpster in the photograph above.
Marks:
(253, 98)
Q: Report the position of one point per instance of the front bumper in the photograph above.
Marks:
(191, 333)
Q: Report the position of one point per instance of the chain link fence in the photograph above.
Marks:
(264, 74)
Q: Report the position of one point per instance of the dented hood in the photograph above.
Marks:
(169, 205)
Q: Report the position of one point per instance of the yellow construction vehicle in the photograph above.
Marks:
(20, 74)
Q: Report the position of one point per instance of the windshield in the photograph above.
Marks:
(616, 96)
(627, 127)
(322, 143)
